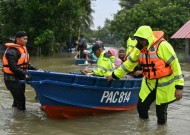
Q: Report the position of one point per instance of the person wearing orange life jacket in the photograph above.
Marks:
(15, 64)
(163, 79)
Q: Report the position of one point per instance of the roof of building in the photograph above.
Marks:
(183, 32)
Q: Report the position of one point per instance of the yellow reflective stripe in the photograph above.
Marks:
(113, 68)
(106, 70)
(153, 56)
(103, 68)
(129, 57)
(142, 56)
(149, 56)
(171, 59)
(125, 69)
(170, 81)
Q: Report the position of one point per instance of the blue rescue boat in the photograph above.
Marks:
(69, 95)
(90, 58)
(85, 62)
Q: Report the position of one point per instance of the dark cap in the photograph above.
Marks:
(96, 47)
(20, 34)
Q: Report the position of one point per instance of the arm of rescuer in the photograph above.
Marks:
(127, 67)
(167, 53)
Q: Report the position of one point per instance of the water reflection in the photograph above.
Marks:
(34, 121)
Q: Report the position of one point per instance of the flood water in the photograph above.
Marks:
(34, 121)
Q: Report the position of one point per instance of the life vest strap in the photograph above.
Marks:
(156, 85)
(148, 65)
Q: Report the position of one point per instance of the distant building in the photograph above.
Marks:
(184, 33)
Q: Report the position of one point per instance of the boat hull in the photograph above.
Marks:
(72, 95)
(69, 112)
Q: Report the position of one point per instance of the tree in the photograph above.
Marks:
(168, 15)
(127, 4)
(63, 17)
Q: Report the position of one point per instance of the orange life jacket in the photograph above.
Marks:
(22, 61)
(154, 67)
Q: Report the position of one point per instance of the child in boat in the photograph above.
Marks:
(114, 58)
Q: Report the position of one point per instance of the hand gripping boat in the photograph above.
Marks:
(70, 95)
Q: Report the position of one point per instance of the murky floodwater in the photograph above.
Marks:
(34, 121)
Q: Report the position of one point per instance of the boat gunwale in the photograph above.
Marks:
(81, 86)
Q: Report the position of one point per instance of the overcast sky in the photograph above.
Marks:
(104, 9)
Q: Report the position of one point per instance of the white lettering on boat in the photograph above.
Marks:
(115, 96)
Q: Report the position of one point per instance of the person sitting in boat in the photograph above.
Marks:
(105, 65)
(122, 54)
(114, 58)
(81, 47)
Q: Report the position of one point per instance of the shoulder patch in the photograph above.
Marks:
(152, 49)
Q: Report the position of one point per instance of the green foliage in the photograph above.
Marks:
(61, 20)
(65, 18)
(46, 41)
(127, 4)
(167, 15)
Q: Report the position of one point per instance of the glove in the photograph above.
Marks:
(27, 77)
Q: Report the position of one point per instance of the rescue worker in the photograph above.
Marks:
(15, 64)
(163, 80)
(105, 65)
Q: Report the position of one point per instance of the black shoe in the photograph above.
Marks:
(161, 122)
(21, 108)
(144, 117)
